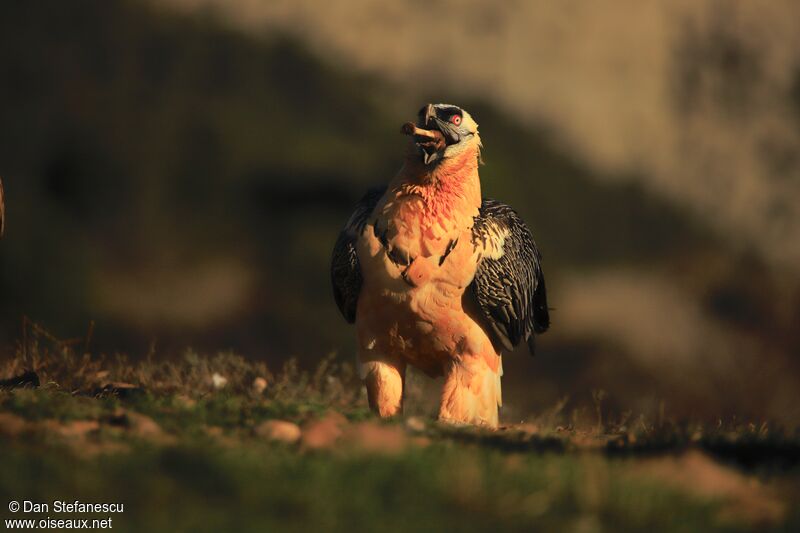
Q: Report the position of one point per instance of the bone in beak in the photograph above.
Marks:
(409, 128)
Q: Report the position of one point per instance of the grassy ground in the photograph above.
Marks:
(194, 445)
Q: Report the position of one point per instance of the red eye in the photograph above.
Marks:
(456, 119)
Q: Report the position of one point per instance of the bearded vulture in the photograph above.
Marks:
(437, 277)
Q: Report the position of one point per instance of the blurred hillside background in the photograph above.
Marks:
(178, 170)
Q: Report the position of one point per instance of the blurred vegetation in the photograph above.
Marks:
(264, 487)
(200, 446)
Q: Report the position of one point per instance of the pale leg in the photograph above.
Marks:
(471, 393)
(384, 381)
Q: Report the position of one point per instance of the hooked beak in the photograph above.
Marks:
(430, 114)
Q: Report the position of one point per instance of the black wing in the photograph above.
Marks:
(345, 270)
(509, 283)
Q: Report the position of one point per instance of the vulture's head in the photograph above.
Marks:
(442, 131)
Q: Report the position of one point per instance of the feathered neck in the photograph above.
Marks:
(452, 183)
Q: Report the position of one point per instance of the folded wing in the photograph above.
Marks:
(345, 269)
(509, 285)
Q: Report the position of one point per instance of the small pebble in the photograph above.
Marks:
(218, 380)
(279, 430)
(415, 424)
(259, 385)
